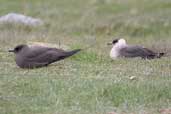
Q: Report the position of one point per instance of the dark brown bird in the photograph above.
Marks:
(39, 56)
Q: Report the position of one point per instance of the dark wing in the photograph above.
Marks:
(40, 50)
(137, 51)
(43, 59)
(47, 57)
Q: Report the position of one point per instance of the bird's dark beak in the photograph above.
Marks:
(109, 43)
(11, 50)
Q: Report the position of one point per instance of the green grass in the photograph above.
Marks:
(89, 82)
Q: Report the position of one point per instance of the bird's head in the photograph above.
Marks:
(18, 48)
(118, 43)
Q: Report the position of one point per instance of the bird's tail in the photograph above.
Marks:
(70, 53)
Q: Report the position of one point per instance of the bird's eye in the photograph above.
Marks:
(18, 48)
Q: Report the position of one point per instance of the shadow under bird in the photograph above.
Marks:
(121, 49)
(39, 56)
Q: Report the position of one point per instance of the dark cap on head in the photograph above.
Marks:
(18, 48)
(113, 42)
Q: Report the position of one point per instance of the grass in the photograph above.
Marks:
(89, 82)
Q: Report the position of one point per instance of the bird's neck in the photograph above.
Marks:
(115, 51)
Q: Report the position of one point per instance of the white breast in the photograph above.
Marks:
(114, 53)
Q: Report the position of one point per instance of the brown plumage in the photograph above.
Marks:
(39, 56)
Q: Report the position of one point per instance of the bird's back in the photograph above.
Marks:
(39, 50)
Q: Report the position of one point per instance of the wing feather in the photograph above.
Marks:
(137, 51)
(40, 50)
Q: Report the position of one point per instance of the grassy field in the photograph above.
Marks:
(89, 82)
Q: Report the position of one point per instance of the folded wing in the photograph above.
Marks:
(137, 51)
(47, 57)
